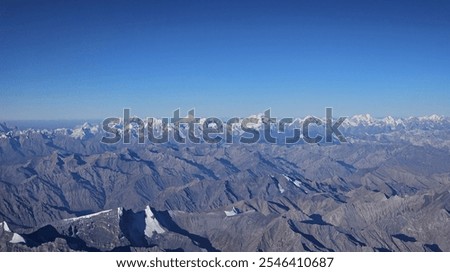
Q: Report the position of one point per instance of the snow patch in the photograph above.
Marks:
(233, 212)
(297, 183)
(5, 226)
(17, 239)
(151, 223)
(287, 177)
(119, 212)
(281, 189)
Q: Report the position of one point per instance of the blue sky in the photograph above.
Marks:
(91, 59)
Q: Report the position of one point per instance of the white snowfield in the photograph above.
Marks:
(151, 223)
(17, 239)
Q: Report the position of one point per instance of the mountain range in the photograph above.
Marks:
(386, 189)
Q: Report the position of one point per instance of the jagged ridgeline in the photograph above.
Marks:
(386, 189)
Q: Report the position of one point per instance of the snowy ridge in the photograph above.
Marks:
(152, 225)
(85, 216)
(389, 123)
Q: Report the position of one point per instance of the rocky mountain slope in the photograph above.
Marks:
(386, 189)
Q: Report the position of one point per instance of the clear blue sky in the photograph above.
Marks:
(91, 59)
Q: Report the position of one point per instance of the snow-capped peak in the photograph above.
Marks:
(86, 125)
(16, 238)
(152, 225)
(389, 120)
(364, 119)
(5, 226)
(433, 118)
(82, 131)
